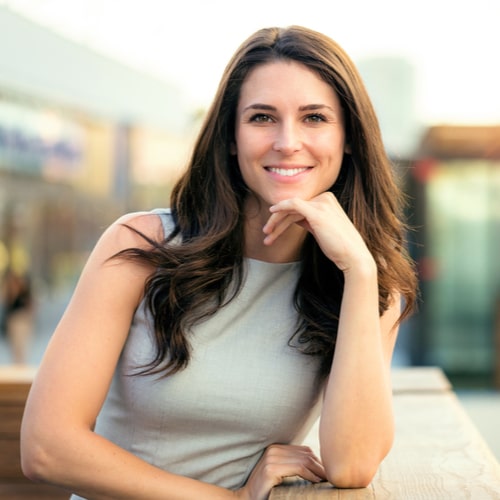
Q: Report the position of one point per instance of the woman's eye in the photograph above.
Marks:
(260, 118)
(316, 117)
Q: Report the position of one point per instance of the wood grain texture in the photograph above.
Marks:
(303, 490)
(10, 461)
(15, 383)
(32, 491)
(10, 420)
(438, 453)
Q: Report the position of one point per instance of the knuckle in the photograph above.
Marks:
(271, 470)
(272, 451)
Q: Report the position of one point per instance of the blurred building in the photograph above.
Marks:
(452, 176)
(455, 192)
(391, 83)
(83, 138)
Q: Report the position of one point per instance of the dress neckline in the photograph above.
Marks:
(265, 263)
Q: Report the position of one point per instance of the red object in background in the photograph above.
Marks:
(423, 169)
(427, 268)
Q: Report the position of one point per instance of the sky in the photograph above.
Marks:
(453, 45)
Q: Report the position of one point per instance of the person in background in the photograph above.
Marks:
(203, 340)
(18, 313)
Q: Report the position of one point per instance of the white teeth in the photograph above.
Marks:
(287, 172)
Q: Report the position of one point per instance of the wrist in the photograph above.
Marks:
(363, 267)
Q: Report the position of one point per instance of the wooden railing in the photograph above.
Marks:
(438, 453)
(15, 382)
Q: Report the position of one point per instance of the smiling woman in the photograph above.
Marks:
(202, 341)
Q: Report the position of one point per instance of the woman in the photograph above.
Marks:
(18, 315)
(207, 339)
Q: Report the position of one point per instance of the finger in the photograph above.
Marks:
(296, 455)
(276, 217)
(295, 204)
(277, 472)
(312, 462)
(305, 467)
(309, 212)
(273, 229)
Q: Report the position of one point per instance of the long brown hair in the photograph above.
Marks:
(193, 279)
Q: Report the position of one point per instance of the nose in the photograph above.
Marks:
(288, 139)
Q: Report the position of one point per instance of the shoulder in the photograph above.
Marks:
(134, 226)
(154, 223)
(149, 223)
(135, 230)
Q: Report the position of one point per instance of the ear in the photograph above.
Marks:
(347, 149)
(232, 148)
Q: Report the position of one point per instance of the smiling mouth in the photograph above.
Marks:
(287, 172)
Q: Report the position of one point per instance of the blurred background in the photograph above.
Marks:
(100, 102)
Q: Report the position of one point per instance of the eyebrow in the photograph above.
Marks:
(307, 107)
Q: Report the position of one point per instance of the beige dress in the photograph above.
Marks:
(244, 388)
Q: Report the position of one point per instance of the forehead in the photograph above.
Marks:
(284, 79)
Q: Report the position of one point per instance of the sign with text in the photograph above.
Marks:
(40, 142)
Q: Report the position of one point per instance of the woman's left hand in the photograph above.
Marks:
(326, 220)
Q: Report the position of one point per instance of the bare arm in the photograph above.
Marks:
(58, 444)
(356, 423)
(356, 426)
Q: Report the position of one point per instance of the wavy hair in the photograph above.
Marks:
(196, 278)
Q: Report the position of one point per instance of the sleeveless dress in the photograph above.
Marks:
(245, 387)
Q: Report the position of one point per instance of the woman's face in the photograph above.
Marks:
(289, 133)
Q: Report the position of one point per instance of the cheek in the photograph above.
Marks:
(252, 142)
(335, 153)
(247, 153)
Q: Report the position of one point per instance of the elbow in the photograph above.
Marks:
(355, 471)
(38, 460)
(35, 461)
(351, 475)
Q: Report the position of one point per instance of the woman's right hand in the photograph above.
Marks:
(277, 463)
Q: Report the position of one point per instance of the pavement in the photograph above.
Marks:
(482, 406)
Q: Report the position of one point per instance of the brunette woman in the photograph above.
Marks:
(203, 340)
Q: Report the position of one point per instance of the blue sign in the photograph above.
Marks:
(39, 142)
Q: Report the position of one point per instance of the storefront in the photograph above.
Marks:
(455, 189)
(83, 139)
(52, 205)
